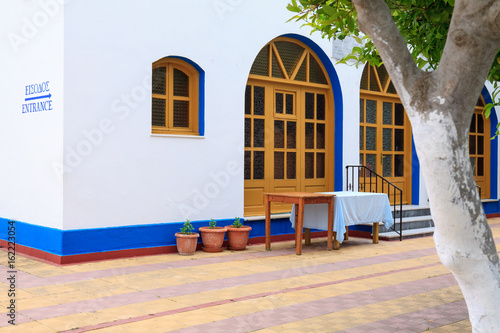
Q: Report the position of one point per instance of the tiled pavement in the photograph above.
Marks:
(363, 287)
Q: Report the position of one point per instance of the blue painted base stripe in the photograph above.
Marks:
(34, 236)
(491, 207)
(85, 241)
(82, 241)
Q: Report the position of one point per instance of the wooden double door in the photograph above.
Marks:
(385, 144)
(288, 141)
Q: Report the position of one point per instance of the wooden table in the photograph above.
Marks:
(349, 208)
(299, 199)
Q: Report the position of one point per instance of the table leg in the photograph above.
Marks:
(375, 233)
(296, 221)
(336, 243)
(329, 240)
(346, 237)
(299, 224)
(307, 236)
(268, 223)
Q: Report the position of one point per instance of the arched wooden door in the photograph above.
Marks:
(385, 135)
(385, 132)
(479, 148)
(288, 125)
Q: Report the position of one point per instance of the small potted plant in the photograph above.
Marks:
(237, 235)
(186, 239)
(212, 237)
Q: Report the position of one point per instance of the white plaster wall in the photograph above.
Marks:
(126, 176)
(31, 143)
(423, 196)
(349, 77)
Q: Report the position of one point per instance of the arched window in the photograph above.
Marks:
(289, 118)
(174, 97)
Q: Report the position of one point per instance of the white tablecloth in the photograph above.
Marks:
(349, 208)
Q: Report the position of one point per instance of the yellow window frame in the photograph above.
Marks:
(170, 64)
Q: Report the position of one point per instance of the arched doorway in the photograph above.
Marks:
(479, 148)
(289, 117)
(385, 135)
(385, 131)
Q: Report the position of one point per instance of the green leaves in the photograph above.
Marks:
(187, 228)
(329, 11)
(487, 110)
(237, 223)
(293, 7)
(423, 24)
(495, 95)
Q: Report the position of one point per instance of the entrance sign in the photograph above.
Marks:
(38, 97)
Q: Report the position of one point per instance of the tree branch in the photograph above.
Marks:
(473, 34)
(375, 20)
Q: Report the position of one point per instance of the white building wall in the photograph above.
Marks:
(349, 77)
(117, 173)
(31, 142)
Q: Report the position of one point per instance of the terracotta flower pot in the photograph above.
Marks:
(186, 243)
(212, 238)
(237, 238)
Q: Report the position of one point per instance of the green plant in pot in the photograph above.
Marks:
(237, 235)
(186, 239)
(212, 237)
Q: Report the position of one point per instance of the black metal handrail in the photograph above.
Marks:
(365, 184)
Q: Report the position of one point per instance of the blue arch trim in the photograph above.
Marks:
(415, 175)
(201, 93)
(339, 107)
(494, 147)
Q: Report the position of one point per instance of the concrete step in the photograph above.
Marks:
(417, 222)
(409, 223)
(411, 211)
(411, 233)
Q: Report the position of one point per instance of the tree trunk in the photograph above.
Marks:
(440, 106)
(462, 236)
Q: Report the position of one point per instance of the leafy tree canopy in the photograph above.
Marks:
(422, 23)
